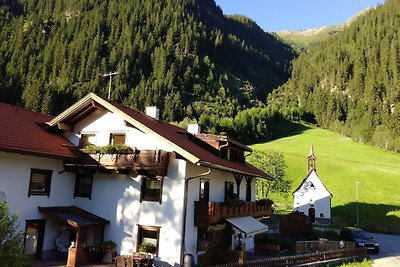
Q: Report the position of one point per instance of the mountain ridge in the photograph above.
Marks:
(305, 39)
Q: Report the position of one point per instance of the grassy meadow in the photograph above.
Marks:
(340, 164)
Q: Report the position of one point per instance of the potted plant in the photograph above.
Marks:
(108, 248)
(147, 248)
(95, 252)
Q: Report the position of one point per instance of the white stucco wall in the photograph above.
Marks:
(102, 123)
(318, 197)
(14, 182)
(116, 198)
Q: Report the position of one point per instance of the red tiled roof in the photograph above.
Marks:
(179, 137)
(21, 132)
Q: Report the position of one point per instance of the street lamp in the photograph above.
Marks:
(357, 203)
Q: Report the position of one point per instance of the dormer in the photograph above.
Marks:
(228, 148)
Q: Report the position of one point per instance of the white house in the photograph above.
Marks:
(163, 186)
(312, 197)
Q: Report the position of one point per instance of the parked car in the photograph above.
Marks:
(360, 237)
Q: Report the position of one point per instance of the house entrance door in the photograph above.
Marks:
(34, 234)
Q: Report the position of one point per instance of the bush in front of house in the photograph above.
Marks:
(11, 240)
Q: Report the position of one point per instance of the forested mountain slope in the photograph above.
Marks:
(351, 84)
(183, 56)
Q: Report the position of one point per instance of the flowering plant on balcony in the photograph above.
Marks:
(234, 202)
(109, 149)
(266, 202)
(204, 245)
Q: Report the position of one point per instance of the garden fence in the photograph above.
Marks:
(300, 259)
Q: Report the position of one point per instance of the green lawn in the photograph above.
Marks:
(340, 163)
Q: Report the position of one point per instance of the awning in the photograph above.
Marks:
(74, 216)
(247, 225)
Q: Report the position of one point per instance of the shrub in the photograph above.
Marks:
(267, 238)
(11, 240)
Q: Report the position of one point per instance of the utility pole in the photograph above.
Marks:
(110, 74)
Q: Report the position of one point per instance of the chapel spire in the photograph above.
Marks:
(312, 160)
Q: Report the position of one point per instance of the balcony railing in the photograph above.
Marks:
(155, 161)
(207, 213)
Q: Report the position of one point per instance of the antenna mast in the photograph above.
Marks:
(110, 74)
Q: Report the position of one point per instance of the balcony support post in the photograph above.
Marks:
(248, 187)
(238, 179)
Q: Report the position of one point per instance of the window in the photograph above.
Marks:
(148, 239)
(39, 184)
(151, 188)
(87, 139)
(83, 185)
(229, 193)
(204, 190)
(117, 138)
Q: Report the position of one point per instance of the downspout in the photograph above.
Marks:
(185, 196)
(224, 145)
(251, 152)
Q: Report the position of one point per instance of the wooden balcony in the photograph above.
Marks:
(153, 161)
(208, 213)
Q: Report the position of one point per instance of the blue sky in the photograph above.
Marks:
(276, 15)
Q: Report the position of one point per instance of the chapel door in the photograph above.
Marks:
(311, 214)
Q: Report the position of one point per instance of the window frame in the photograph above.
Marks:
(141, 229)
(146, 197)
(112, 138)
(46, 182)
(82, 144)
(78, 177)
(204, 193)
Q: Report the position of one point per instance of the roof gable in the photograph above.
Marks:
(178, 138)
(313, 178)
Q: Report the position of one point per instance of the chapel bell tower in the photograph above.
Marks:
(312, 160)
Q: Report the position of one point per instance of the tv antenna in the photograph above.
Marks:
(110, 74)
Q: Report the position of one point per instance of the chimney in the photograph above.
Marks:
(193, 128)
(153, 112)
